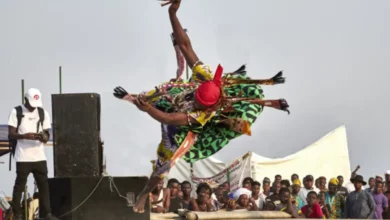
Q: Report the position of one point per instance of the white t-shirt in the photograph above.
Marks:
(29, 150)
(303, 193)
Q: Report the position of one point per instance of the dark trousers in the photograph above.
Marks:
(39, 170)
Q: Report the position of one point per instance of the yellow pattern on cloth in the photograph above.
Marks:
(166, 149)
(201, 73)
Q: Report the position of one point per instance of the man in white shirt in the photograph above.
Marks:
(307, 187)
(31, 131)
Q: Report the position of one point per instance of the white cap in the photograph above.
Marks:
(387, 172)
(34, 97)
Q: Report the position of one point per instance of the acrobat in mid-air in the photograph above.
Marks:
(201, 115)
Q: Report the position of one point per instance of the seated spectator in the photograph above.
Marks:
(278, 178)
(378, 178)
(186, 190)
(275, 195)
(247, 183)
(285, 184)
(269, 206)
(175, 202)
(226, 187)
(371, 185)
(340, 188)
(387, 181)
(359, 203)
(242, 200)
(382, 204)
(317, 183)
(286, 203)
(173, 186)
(159, 199)
(294, 177)
(203, 202)
(219, 199)
(266, 187)
(386, 214)
(334, 201)
(256, 195)
(312, 209)
(322, 184)
(296, 187)
(307, 187)
(324, 207)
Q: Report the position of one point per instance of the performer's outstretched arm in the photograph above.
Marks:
(177, 118)
(181, 37)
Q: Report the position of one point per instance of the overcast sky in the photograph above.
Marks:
(335, 55)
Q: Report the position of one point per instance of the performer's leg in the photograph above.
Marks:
(161, 169)
(139, 206)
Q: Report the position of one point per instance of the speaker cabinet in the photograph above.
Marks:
(76, 135)
(94, 200)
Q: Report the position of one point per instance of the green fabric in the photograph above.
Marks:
(212, 137)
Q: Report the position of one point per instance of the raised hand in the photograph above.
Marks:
(142, 105)
(120, 92)
(175, 5)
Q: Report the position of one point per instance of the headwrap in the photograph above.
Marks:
(209, 92)
(241, 191)
(297, 182)
(334, 181)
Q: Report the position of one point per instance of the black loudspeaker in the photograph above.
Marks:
(76, 135)
(92, 200)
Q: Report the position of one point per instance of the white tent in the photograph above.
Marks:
(203, 168)
(327, 157)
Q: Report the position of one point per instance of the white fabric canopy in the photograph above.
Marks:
(328, 157)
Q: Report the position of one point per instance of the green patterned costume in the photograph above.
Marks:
(213, 136)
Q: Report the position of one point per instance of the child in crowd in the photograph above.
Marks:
(312, 209)
(324, 207)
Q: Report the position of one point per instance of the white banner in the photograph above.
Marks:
(237, 171)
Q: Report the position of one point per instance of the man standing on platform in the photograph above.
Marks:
(28, 126)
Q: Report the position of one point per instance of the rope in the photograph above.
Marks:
(112, 184)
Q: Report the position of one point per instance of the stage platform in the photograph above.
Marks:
(223, 214)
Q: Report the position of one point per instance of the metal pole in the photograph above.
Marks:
(60, 80)
(25, 203)
(187, 74)
(22, 91)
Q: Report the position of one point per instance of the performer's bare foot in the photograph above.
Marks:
(139, 206)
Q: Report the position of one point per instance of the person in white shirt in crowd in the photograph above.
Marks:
(256, 194)
(307, 187)
(30, 134)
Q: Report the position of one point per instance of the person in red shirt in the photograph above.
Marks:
(312, 209)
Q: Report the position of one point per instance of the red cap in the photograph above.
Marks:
(208, 93)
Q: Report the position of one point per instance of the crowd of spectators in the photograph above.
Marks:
(309, 198)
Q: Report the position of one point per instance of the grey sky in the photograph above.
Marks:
(335, 55)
